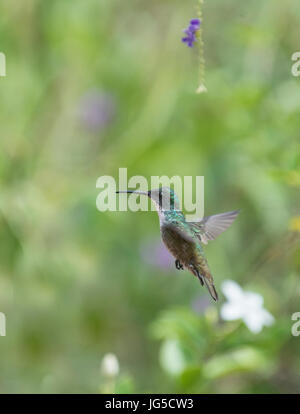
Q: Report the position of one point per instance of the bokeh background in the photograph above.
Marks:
(96, 85)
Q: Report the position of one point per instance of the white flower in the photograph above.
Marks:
(110, 365)
(247, 306)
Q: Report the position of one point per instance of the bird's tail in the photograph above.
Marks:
(208, 280)
(211, 288)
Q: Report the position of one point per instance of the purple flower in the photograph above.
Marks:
(195, 23)
(190, 32)
(154, 252)
(96, 109)
(200, 304)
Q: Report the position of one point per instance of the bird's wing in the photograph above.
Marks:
(211, 226)
(177, 232)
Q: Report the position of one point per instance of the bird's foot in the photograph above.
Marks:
(196, 272)
(178, 265)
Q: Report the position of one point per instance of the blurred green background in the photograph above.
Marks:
(96, 85)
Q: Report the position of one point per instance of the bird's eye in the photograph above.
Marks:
(160, 196)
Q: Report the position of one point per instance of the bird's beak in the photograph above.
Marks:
(133, 192)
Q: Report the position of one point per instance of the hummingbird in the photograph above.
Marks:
(183, 238)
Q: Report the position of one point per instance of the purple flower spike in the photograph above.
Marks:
(196, 23)
(191, 38)
(96, 110)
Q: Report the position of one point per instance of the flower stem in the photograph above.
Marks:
(201, 88)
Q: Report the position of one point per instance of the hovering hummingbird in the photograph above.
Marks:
(182, 238)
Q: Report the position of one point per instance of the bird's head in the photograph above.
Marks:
(164, 198)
